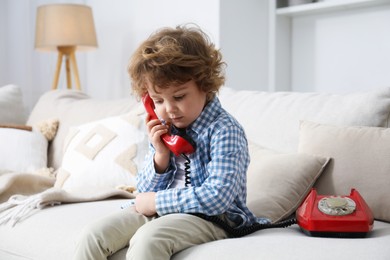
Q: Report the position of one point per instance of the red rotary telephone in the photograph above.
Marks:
(335, 216)
(177, 144)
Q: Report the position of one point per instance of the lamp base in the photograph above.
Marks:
(70, 60)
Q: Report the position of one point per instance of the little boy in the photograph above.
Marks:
(182, 71)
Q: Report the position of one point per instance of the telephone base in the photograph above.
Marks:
(335, 218)
(335, 234)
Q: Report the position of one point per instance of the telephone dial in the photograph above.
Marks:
(318, 215)
(336, 216)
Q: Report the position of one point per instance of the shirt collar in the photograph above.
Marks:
(209, 114)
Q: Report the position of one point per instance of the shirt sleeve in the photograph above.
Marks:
(148, 180)
(225, 177)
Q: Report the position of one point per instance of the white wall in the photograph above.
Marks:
(342, 51)
(3, 46)
(33, 71)
(120, 25)
(244, 43)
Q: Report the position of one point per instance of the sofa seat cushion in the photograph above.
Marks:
(52, 233)
(291, 243)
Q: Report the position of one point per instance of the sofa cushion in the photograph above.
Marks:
(12, 110)
(271, 119)
(22, 150)
(73, 108)
(360, 159)
(278, 183)
(104, 154)
(290, 243)
(52, 233)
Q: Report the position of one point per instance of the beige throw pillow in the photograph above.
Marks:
(361, 160)
(278, 183)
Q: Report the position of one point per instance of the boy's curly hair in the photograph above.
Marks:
(174, 56)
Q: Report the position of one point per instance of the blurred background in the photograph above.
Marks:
(323, 46)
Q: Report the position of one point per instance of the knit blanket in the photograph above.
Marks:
(39, 193)
(23, 183)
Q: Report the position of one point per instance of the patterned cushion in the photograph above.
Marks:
(104, 154)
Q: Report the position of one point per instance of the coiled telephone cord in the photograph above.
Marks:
(240, 232)
(187, 172)
(234, 232)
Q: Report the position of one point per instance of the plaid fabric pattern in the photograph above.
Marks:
(218, 171)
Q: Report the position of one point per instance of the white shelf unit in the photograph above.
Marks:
(326, 6)
(280, 33)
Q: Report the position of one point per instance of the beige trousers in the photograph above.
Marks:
(148, 238)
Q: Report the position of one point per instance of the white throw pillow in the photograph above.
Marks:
(104, 154)
(360, 160)
(278, 183)
(22, 150)
(73, 108)
(12, 110)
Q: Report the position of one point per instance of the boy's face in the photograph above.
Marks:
(179, 105)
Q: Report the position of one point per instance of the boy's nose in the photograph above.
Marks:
(170, 108)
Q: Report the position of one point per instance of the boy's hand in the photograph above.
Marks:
(155, 130)
(145, 203)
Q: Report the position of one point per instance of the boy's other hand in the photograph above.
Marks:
(145, 203)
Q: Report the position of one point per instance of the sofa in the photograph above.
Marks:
(297, 141)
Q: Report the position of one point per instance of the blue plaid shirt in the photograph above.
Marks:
(218, 171)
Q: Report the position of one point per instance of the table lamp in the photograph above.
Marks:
(65, 28)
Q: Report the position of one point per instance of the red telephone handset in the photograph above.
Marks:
(335, 216)
(177, 144)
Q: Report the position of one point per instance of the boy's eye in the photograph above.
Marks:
(157, 101)
(178, 98)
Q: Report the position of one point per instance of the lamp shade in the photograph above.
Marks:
(59, 25)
